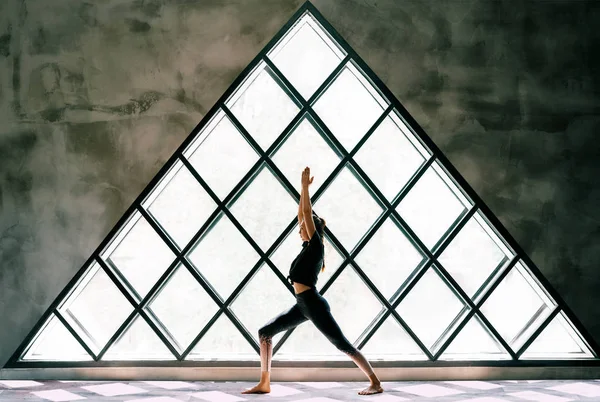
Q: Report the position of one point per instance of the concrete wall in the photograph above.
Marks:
(95, 96)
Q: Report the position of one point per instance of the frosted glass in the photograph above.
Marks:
(471, 256)
(183, 307)
(223, 270)
(430, 208)
(389, 258)
(56, 343)
(350, 106)
(389, 158)
(140, 254)
(306, 56)
(305, 147)
(517, 306)
(473, 342)
(348, 209)
(96, 307)
(429, 308)
(221, 155)
(265, 208)
(262, 107)
(180, 204)
(138, 342)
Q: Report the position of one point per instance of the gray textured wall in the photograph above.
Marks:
(95, 96)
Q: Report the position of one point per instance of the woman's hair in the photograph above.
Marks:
(320, 227)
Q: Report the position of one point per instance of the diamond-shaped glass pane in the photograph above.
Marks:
(392, 342)
(139, 254)
(350, 106)
(473, 255)
(55, 342)
(473, 342)
(348, 209)
(306, 55)
(431, 206)
(517, 306)
(183, 307)
(138, 342)
(305, 147)
(391, 156)
(221, 155)
(180, 204)
(430, 308)
(307, 343)
(223, 341)
(559, 340)
(291, 247)
(262, 107)
(389, 258)
(96, 308)
(263, 298)
(352, 304)
(265, 208)
(223, 270)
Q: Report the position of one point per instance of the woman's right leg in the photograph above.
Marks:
(282, 322)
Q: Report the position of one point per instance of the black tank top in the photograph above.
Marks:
(307, 264)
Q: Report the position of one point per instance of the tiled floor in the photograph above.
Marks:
(173, 391)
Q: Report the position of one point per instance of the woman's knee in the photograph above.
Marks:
(265, 332)
(343, 345)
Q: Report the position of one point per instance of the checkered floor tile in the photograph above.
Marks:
(230, 391)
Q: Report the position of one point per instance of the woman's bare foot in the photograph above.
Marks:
(372, 389)
(261, 388)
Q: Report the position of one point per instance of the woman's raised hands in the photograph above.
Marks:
(305, 177)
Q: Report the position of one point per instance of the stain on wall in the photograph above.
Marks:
(95, 97)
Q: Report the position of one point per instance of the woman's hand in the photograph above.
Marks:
(305, 177)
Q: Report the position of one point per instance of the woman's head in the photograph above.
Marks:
(319, 226)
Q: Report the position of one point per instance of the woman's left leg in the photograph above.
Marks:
(319, 312)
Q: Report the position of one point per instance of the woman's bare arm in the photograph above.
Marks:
(309, 223)
(300, 212)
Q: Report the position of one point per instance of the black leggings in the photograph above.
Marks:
(310, 305)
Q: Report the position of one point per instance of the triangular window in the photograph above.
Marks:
(417, 267)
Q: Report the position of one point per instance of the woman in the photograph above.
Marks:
(310, 305)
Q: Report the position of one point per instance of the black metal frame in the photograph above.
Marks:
(470, 308)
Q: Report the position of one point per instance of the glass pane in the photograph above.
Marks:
(306, 56)
(389, 158)
(352, 304)
(265, 208)
(223, 341)
(348, 209)
(264, 297)
(222, 269)
(183, 307)
(306, 147)
(350, 106)
(96, 308)
(473, 342)
(558, 341)
(180, 204)
(307, 343)
(430, 208)
(517, 306)
(221, 155)
(139, 254)
(472, 256)
(429, 308)
(138, 342)
(388, 258)
(262, 107)
(55, 342)
(291, 247)
(392, 342)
